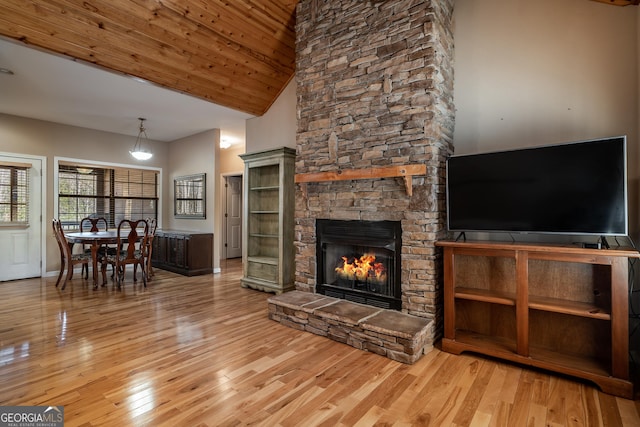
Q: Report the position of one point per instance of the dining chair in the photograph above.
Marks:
(67, 259)
(93, 224)
(130, 249)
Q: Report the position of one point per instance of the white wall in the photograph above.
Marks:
(531, 73)
(188, 156)
(277, 127)
(230, 161)
(195, 154)
(541, 72)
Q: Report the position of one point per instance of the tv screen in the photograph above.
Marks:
(573, 188)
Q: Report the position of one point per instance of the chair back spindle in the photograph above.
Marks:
(94, 224)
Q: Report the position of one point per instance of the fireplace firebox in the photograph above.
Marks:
(360, 261)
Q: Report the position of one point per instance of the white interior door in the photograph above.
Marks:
(21, 245)
(233, 217)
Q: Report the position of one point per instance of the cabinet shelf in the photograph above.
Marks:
(560, 308)
(265, 212)
(555, 305)
(574, 308)
(266, 236)
(482, 343)
(484, 295)
(506, 349)
(570, 363)
(263, 260)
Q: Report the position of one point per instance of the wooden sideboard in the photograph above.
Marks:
(561, 308)
(185, 252)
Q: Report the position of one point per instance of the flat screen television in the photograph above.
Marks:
(574, 188)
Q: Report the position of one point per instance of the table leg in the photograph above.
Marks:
(94, 261)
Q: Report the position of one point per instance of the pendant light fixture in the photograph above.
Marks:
(138, 151)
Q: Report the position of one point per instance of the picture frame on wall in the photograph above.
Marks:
(189, 196)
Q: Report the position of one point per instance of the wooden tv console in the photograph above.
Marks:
(561, 308)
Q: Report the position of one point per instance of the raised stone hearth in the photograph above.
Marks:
(389, 333)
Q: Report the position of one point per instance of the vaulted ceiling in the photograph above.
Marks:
(239, 54)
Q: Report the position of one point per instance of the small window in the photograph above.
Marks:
(14, 195)
(190, 196)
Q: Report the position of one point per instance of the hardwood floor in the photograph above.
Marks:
(201, 351)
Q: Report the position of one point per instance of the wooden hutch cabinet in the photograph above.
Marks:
(267, 239)
(185, 252)
(561, 308)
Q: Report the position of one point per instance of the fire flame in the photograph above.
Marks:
(362, 269)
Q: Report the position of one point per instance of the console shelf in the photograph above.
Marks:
(560, 308)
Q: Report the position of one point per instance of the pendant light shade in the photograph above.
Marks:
(139, 152)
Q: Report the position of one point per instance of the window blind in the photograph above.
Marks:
(112, 193)
(14, 194)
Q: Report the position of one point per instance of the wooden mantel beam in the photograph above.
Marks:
(406, 171)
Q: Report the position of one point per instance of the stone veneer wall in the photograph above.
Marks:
(375, 88)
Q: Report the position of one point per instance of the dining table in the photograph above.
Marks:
(96, 239)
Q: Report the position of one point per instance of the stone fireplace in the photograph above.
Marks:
(374, 91)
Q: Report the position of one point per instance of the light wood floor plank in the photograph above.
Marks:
(474, 396)
(201, 351)
(520, 408)
(490, 398)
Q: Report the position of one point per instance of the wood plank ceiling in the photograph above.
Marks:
(239, 54)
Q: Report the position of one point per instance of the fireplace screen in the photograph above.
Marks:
(360, 261)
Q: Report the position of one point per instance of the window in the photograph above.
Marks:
(14, 195)
(113, 193)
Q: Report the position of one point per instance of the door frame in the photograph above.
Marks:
(223, 249)
(43, 203)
